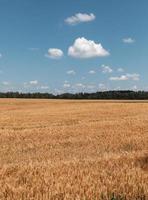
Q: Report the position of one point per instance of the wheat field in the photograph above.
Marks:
(73, 150)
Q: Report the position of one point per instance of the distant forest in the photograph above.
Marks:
(123, 95)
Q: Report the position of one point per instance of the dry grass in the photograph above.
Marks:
(73, 150)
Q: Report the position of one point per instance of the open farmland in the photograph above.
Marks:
(73, 150)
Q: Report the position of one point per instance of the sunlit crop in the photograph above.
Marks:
(73, 150)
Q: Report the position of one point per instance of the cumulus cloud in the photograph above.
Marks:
(134, 77)
(54, 53)
(71, 72)
(106, 69)
(120, 70)
(135, 88)
(35, 85)
(128, 40)
(91, 72)
(5, 83)
(102, 87)
(83, 48)
(66, 85)
(34, 82)
(119, 78)
(44, 87)
(91, 86)
(80, 18)
(80, 85)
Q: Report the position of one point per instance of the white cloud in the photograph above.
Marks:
(66, 81)
(102, 87)
(106, 69)
(91, 72)
(80, 18)
(71, 72)
(91, 87)
(5, 83)
(135, 88)
(128, 40)
(66, 85)
(34, 82)
(54, 53)
(117, 88)
(120, 70)
(134, 77)
(119, 78)
(80, 85)
(25, 84)
(57, 91)
(43, 87)
(83, 48)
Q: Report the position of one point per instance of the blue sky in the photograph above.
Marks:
(72, 46)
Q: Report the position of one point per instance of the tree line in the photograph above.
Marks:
(123, 95)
